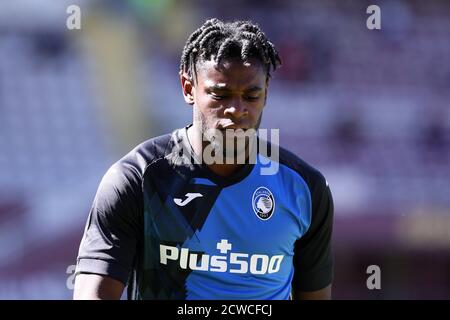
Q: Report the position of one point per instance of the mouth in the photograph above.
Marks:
(233, 132)
(232, 127)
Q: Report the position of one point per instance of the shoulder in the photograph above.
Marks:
(136, 161)
(313, 177)
(126, 174)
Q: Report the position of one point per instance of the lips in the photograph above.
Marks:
(231, 127)
(234, 132)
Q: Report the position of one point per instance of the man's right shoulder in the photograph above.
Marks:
(133, 165)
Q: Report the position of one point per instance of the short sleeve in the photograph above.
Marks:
(112, 231)
(313, 261)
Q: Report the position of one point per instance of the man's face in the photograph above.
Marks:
(231, 95)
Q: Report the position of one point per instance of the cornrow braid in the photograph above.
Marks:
(221, 40)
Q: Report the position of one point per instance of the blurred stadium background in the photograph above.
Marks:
(370, 109)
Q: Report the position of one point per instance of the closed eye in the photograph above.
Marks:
(217, 97)
(251, 98)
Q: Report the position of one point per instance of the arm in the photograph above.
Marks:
(96, 287)
(322, 294)
(313, 261)
(108, 247)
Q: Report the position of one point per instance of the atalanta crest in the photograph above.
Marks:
(263, 203)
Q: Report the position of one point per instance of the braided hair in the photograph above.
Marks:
(221, 40)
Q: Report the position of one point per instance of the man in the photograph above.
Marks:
(176, 222)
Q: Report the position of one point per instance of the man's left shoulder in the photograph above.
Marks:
(311, 175)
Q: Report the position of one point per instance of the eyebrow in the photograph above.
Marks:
(218, 86)
(223, 87)
(254, 88)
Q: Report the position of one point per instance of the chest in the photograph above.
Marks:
(261, 215)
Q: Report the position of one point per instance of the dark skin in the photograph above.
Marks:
(97, 287)
(229, 96)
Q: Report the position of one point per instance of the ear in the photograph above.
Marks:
(187, 85)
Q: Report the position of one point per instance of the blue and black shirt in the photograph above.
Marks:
(173, 229)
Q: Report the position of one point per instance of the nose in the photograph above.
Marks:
(236, 109)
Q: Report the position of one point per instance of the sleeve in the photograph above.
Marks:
(108, 246)
(313, 260)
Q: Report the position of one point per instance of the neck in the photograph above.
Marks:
(198, 145)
